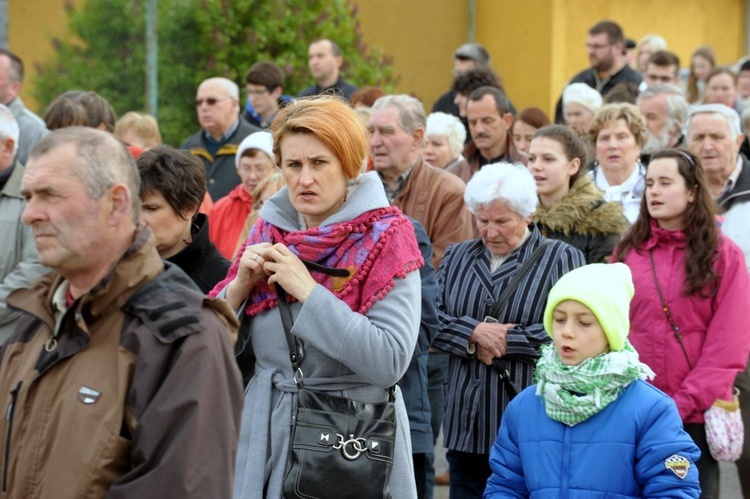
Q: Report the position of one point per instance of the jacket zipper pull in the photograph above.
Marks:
(9, 418)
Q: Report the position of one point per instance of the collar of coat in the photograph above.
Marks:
(583, 210)
(139, 264)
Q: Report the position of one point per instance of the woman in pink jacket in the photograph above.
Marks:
(689, 316)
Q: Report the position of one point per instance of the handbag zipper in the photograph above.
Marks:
(9, 418)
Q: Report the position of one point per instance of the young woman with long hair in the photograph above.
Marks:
(571, 208)
(689, 319)
(702, 62)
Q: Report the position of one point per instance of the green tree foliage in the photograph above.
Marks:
(199, 39)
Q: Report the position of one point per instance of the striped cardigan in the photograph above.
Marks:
(476, 397)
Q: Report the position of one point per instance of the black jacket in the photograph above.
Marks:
(591, 78)
(741, 190)
(221, 172)
(584, 220)
(341, 87)
(200, 259)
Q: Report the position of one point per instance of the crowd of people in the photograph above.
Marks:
(564, 296)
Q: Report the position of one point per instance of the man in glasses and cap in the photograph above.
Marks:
(466, 57)
(222, 130)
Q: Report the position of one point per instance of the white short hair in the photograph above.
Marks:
(9, 126)
(654, 42)
(580, 93)
(447, 125)
(729, 114)
(231, 87)
(510, 183)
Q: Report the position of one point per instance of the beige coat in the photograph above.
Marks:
(435, 198)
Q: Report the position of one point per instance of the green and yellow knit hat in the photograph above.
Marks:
(606, 289)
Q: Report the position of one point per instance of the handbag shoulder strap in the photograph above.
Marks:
(666, 310)
(295, 347)
(296, 352)
(526, 267)
(499, 364)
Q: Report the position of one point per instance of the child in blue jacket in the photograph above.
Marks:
(591, 427)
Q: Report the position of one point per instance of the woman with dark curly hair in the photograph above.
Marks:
(688, 318)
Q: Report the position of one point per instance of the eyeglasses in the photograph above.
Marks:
(210, 101)
(261, 91)
(593, 46)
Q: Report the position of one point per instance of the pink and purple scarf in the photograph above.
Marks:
(377, 247)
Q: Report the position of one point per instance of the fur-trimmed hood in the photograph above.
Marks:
(584, 211)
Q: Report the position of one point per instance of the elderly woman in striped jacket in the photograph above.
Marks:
(491, 297)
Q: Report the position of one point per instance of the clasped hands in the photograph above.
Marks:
(491, 339)
(274, 264)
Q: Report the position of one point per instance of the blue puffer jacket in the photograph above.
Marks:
(635, 447)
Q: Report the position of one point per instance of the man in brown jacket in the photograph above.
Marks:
(432, 196)
(119, 379)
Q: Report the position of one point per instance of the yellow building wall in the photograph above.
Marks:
(31, 26)
(536, 45)
(421, 36)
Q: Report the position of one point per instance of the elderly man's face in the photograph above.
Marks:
(68, 225)
(392, 149)
(500, 228)
(710, 138)
(660, 134)
(217, 110)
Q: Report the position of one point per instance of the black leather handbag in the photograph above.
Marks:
(341, 448)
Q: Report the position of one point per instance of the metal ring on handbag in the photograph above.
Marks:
(358, 444)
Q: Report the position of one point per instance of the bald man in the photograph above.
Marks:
(222, 130)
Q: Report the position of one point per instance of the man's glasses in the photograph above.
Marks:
(210, 101)
(594, 46)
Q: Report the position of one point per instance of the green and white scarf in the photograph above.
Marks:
(573, 394)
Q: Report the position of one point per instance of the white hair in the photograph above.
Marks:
(580, 93)
(510, 183)
(447, 125)
(654, 42)
(677, 110)
(231, 87)
(411, 113)
(729, 114)
(9, 126)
